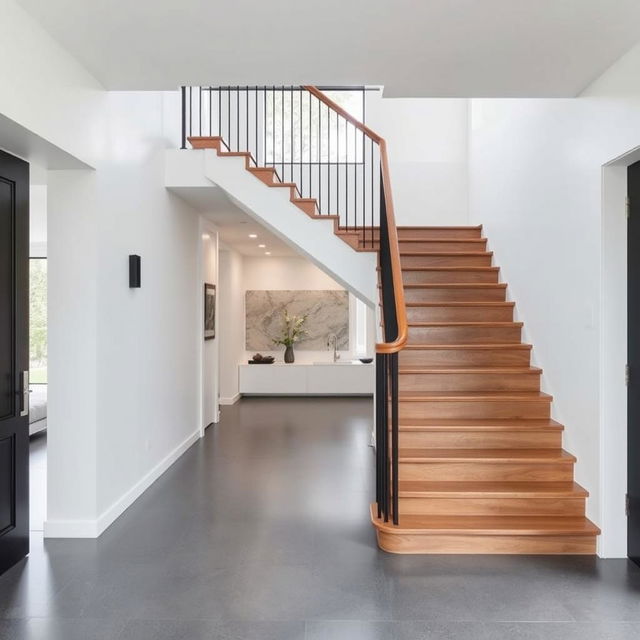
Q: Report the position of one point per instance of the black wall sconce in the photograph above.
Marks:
(134, 271)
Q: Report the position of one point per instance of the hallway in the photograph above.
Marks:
(261, 532)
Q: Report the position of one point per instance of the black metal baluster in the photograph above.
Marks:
(301, 147)
(210, 111)
(364, 187)
(338, 171)
(346, 171)
(264, 113)
(190, 110)
(394, 432)
(291, 140)
(237, 118)
(246, 114)
(282, 131)
(319, 158)
(355, 178)
(380, 410)
(183, 94)
(310, 143)
(219, 112)
(200, 111)
(329, 161)
(229, 117)
(372, 201)
(273, 122)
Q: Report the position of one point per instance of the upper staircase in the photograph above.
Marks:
(468, 457)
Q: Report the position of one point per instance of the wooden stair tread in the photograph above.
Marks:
(473, 396)
(490, 525)
(465, 324)
(425, 488)
(479, 424)
(456, 269)
(478, 370)
(488, 304)
(444, 240)
(497, 345)
(456, 285)
(446, 253)
(485, 455)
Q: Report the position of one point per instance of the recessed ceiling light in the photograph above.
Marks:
(267, 253)
(253, 235)
(205, 236)
(262, 246)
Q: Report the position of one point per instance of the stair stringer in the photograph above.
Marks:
(271, 207)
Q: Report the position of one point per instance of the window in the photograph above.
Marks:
(297, 126)
(38, 321)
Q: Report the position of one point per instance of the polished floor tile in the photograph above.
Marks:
(261, 532)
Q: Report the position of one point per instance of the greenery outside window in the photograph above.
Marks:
(38, 321)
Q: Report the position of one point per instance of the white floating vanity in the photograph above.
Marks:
(346, 378)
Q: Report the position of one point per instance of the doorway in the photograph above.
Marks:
(633, 362)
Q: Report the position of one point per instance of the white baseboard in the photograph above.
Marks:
(94, 528)
(231, 400)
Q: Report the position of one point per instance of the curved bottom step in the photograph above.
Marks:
(487, 535)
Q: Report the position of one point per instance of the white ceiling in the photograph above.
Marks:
(234, 225)
(433, 48)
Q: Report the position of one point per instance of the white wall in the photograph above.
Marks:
(536, 170)
(45, 90)
(123, 363)
(427, 144)
(231, 323)
(38, 220)
(210, 348)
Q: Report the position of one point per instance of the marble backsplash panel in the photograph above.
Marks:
(327, 311)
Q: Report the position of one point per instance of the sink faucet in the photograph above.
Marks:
(332, 341)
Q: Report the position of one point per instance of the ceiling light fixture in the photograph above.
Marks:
(205, 236)
(261, 246)
(267, 253)
(253, 235)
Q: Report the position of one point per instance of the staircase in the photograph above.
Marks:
(481, 464)
(468, 457)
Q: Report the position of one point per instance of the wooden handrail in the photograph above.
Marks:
(394, 249)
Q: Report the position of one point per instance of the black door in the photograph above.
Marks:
(14, 360)
(633, 391)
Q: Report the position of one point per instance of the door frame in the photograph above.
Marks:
(613, 356)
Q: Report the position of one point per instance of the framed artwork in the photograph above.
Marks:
(209, 311)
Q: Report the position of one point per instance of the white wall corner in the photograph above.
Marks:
(94, 528)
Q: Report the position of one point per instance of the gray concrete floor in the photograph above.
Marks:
(260, 532)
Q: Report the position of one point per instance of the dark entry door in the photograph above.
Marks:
(633, 391)
(14, 360)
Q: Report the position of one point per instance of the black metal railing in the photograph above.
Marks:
(387, 383)
(336, 160)
(307, 143)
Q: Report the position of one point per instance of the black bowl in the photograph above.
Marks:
(366, 360)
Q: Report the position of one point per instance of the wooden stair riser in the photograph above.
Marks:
(498, 506)
(266, 175)
(462, 357)
(307, 206)
(433, 233)
(421, 276)
(483, 381)
(441, 313)
(461, 544)
(489, 471)
(469, 245)
(455, 294)
(481, 439)
(454, 409)
(409, 260)
(465, 334)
